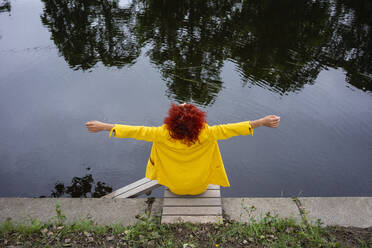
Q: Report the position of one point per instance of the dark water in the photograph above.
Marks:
(63, 63)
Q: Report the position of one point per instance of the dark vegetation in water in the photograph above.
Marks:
(280, 45)
(5, 6)
(81, 187)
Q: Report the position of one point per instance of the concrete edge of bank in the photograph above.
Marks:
(343, 211)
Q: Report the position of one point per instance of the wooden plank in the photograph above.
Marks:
(191, 210)
(134, 189)
(193, 219)
(127, 188)
(208, 193)
(175, 201)
(202, 208)
(140, 189)
(212, 186)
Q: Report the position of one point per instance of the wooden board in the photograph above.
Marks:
(208, 193)
(203, 208)
(178, 201)
(135, 189)
(210, 186)
(192, 210)
(193, 219)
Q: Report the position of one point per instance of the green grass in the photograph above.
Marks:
(268, 231)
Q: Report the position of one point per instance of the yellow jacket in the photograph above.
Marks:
(185, 169)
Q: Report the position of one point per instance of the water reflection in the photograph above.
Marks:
(87, 32)
(81, 187)
(185, 45)
(278, 42)
(281, 45)
(5, 6)
(351, 44)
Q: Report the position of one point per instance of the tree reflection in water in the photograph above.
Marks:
(87, 32)
(81, 187)
(280, 45)
(5, 6)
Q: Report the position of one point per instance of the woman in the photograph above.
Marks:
(185, 155)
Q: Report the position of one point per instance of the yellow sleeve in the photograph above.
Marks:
(226, 131)
(136, 132)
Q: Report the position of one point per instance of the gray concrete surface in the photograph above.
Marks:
(101, 211)
(239, 209)
(343, 211)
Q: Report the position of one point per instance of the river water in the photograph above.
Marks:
(63, 63)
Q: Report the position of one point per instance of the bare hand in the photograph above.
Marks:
(95, 126)
(271, 121)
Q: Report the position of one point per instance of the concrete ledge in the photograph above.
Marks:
(101, 211)
(343, 211)
(239, 208)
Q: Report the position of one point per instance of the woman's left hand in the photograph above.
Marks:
(271, 121)
(97, 126)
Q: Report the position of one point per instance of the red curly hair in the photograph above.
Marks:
(185, 122)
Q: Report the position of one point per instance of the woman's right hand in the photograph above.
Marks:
(97, 126)
(271, 121)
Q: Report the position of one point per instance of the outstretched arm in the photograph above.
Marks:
(226, 131)
(268, 121)
(125, 131)
(97, 126)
